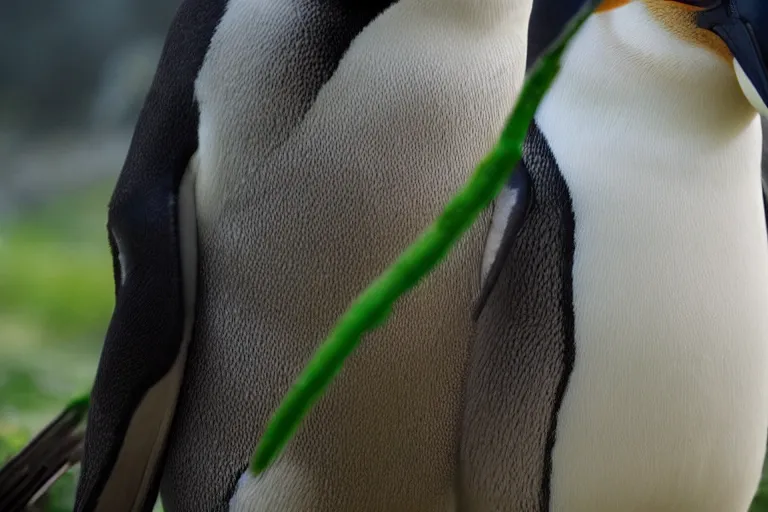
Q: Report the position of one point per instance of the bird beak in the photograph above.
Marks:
(743, 26)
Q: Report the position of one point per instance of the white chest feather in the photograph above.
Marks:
(667, 406)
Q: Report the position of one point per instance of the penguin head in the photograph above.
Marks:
(736, 30)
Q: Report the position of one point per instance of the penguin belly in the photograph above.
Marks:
(290, 235)
(666, 408)
(262, 70)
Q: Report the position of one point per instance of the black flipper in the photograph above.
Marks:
(143, 350)
(765, 200)
(548, 18)
(522, 352)
(29, 475)
(518, 196)
(765, 194)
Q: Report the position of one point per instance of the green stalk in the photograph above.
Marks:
(373, 306)
(79, 406)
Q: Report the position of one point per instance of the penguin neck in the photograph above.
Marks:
(630, 90)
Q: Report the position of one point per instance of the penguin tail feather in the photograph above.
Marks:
(26, 477)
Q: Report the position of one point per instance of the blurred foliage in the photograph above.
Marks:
(56, 297)
(55, 269)
(760, 504)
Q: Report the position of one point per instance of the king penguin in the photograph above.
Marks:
(288, 150)
(621, 353)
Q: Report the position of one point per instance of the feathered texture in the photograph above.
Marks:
(28, 475)
(373, 306)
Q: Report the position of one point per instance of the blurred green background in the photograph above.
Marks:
(73, 76)
(56, 296)
(65, 124)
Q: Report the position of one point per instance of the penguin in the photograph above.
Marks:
(621, 347)
(287, 151)
(288, 238)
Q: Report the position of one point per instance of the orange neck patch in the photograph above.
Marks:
(680, 20)
(607, 5)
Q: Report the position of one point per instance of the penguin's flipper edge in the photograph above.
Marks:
(509, 215)
(153, 237)
(765, 198)
(26, 477)
(32, 472)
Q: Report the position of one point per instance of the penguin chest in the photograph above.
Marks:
(667, 404)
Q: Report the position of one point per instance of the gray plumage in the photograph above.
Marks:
(304, 195)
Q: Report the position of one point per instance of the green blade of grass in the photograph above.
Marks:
(373, 306)
(79, 406)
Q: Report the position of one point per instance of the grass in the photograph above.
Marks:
(55, 269)
(56, 297)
